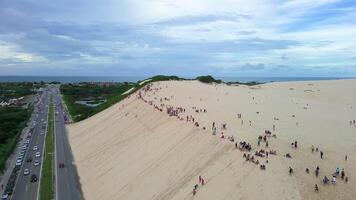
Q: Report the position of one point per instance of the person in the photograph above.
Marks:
(333, 181)
(337, 171)
(317, 171)
(346, 179)
(325, 180)
(195, 189)
(342, 174)
(290, 171)
(295, 144)
(345, 157)
(266, 143)
(321, 154)
(200, 179)
(312, 148)
(307, 170)
(236, 145)
(316, 188)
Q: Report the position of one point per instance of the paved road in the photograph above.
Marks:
(24, 189)
(67, 182)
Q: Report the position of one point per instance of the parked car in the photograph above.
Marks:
(37, 154)
(35, 148)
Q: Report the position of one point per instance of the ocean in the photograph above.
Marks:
(73, 79)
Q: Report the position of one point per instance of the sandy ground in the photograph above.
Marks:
(134, 151)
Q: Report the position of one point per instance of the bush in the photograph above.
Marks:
(207, 79)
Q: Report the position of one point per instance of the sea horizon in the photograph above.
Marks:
(76, 79)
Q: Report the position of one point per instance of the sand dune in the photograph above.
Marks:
(134, 151)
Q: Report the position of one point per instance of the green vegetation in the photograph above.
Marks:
(12, 121)
(47, 178)
(16, 90)
(102, 94)
(208, 79)
(107, 94)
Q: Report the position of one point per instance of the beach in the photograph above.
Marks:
(156, 143)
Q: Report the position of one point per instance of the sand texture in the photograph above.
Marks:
(136, 150)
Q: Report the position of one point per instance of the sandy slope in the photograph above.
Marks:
(134, 151)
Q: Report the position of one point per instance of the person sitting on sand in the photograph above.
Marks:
(288, 155)
(325, 180)
(333, 181)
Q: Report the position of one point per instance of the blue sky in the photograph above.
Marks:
(181, 37)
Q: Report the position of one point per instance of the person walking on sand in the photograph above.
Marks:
(295, 144)
(316, 188)
(321, 154)
(312, 149)
(200, 179)
(274, 127)
(290, 171)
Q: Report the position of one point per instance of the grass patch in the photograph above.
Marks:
(47, 179)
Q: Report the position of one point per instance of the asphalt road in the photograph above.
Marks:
(24, 189)
(67, 181)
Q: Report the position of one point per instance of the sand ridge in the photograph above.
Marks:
(135, 151)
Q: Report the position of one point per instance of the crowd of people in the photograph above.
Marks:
(243, 146)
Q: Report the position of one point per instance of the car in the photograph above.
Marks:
(33, 178)
(37, 154)
(18, 163)
(29, 159)
(35, 148)
(36, 163)
(61, 165)
(5, 197)
(19, 157)
(26, 172)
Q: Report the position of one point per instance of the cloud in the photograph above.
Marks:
(178, 36)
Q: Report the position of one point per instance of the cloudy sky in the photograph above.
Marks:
(181, 37)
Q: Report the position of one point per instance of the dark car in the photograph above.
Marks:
(29, 159)
(33, 178)
(61, 165)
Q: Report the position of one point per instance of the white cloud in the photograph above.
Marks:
(11, 53)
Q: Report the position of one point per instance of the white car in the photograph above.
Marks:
(18, 163)
(35, 148)
(37, 154)
(26, 172)
(36, 163)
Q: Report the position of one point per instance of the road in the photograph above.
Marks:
(67, 181)
(24, 189)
